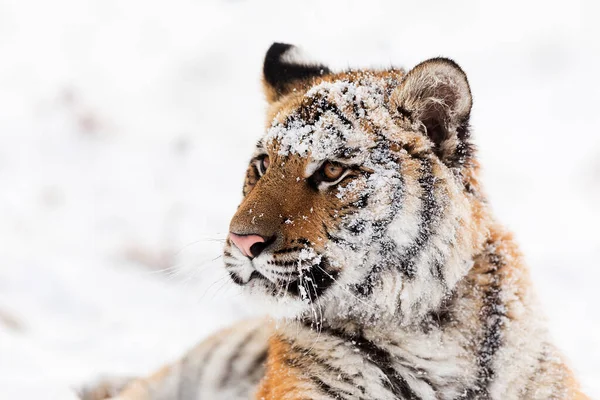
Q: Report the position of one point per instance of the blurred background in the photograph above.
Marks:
(126, 126)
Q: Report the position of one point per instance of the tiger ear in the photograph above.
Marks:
(283, 71)
(436, 95)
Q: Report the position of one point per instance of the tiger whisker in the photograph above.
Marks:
(225, 284)
(173, 271)
(189, 274)
(312, 308)
(196, 242)
(346, 289)
(320, 319)
(211, 285)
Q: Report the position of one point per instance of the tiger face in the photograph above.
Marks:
(360, 200)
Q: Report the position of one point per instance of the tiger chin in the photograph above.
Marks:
(365, 232)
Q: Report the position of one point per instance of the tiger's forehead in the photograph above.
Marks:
(333, 120)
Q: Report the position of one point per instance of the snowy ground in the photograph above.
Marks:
(125, 127)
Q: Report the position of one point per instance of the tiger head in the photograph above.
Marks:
(362, 198)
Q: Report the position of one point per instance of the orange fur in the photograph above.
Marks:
(281, 381)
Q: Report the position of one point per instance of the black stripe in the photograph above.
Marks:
(389, 260)
(464, 151)
(347, 153)
(442, 316)
(390, 254)
(380, 358)
(287, 250)
(259, 361)
(380, 226)
(283, 263)
(308, 358)
(334, 393)
(326, 106)
(395, 382)
(303, 241)
(419, 372)
(405, 113)
(312, 109)
(338, 240)
(190, 383)
(256, 369)
(492, 316)
(236, 278)
(429, 211)
(366, 287)
(382, 153)
(362, 201)
(437, 271)
(234, 356)
(356, 226)
(356, 108)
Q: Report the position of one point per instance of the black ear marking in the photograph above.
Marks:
(436, 95)
(281, 70)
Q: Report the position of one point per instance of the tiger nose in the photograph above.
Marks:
(250, 245)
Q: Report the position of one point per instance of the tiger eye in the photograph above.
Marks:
(332, 171)
(263, 164)
(266, 162)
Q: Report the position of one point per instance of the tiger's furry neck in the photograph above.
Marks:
(486, 340)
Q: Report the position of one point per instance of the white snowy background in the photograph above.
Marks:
(126, 125)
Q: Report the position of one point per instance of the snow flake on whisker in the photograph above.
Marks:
(308, 258)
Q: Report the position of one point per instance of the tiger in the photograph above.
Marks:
(366, 234)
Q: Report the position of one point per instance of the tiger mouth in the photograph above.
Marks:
(308, 284)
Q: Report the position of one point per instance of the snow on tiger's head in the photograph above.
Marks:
(359, 199)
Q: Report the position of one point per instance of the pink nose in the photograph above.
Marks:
(250, 245)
